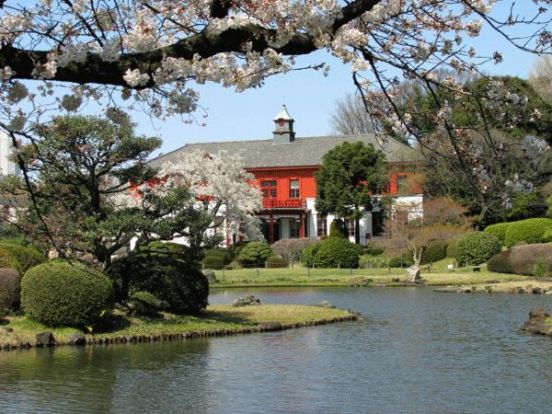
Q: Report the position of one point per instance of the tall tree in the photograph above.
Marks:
(541, 77)
(348, 175)
(350, 117)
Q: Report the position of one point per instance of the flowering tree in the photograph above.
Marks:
(149, 52)
(221, 188)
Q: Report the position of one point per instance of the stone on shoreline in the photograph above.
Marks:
(45, 339)
(537, 322)
(249, 300)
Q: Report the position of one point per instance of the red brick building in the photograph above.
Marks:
(284, 168)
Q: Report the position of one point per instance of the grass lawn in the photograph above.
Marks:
(216, 319)
(436, 274)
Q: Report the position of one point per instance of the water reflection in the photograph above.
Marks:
(416, 352)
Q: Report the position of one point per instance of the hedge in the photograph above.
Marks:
(19, 257)
(58, 293)
(336, 252)
(276, 261)
(436, 250)
(451, 249)
(10, 287)
(526, 259)
(404, 260)
(309, 253)
(529, 231)
(143, 303)
(499, 230)
(476, 248)
(255, 254)
(213, 262)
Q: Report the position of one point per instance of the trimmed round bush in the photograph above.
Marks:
(404, 260)
(436, 250)
(276, 261)
(335, 252)
(255, 254)
(62, 294)
(10, 287)
(21, 258)
(499, 230)
(143, 303)
(166, 270)
(213, 262)
(529, 231)
(309, 253)
(451, 249)
(476, 248)
(527, 259)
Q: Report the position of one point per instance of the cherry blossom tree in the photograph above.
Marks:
(222, 189)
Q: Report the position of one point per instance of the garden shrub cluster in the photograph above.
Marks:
(373, 249)
(10, 286)
(331, 253)
(436, 250)
(404, 260)
(476, 248)
(451, 249)
(528, 259)
(59, 293)
(167, 272)
(529, 231)
(276, 261)
(143, 303)
(213, 262)
(254, 254)
(309, 253)
(499, 230)
(19, 257)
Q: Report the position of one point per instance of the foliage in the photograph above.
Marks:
(444, 210)
(255, 254)
(338, 229)
(348, 175)
(19, 257)
(476, 248)
(404, 260)
(309, 253)
(528, 259)
(166, 270)
(373, 248)
(451, 249)
(276, 261)
(334, 252)
(291, 249)
(10, 287)
(227, 255)
(499, 230)
(213, 262)
(144, 303)
(528, 231)
(436, 250)
(373, 262)
(58, 293)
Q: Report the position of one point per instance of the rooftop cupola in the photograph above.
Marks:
(283, 127)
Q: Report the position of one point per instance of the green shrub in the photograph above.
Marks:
(144, 303)
(336, 252)
(499, 230)
(404, 260)
(436, 250)
(213, 262)
(10, 287)
(373, 249)
(451, 249)
(338, 229)
(276, 261)
(309, 253)
(234, 265)
(21, 258)
(528, 259)
(255, 254)
(58, 293)
(476, 248)
(166, 270)
(529, 231)
(226, 255)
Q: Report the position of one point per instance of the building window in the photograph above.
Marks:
(321, 226)
(293, 188)
(268, 188)
(350, 226)
(402, 184)
(294, 229)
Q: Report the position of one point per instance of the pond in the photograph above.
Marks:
(416, 352)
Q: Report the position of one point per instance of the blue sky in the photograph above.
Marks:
(309, 96)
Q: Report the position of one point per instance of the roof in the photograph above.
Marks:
(306, 151)
(283, 114)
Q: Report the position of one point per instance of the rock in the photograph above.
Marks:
(326, 304)
(413, 274)
(249, 300)
(537, 322)
(76, 339)
(536, 290)
(45, 339)
(548, 292)
(269, 326)
(210, 275)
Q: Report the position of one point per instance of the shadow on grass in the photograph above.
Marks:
(112, 323)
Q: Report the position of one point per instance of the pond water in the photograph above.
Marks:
(416, 352)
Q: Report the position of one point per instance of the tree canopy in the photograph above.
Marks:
(349, 174)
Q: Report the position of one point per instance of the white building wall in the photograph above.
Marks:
(7, 166)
